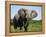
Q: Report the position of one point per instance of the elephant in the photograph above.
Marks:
(22, 18)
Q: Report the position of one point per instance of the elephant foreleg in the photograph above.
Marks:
(26, 26)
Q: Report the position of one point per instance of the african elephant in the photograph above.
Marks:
(22, 18)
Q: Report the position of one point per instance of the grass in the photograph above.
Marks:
(34, 26)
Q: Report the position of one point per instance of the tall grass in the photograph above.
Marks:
(34, 26)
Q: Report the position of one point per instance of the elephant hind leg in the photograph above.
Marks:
(20, 28)
(25, 29)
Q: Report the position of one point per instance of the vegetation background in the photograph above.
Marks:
(34, 26)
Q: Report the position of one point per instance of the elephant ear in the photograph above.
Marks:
(33, 14)
(17, 16)
(21, 12)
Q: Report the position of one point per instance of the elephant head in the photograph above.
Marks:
(30, 14)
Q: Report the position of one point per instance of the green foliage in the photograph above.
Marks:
(34, 26)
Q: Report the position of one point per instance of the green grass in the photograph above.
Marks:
(34, 26)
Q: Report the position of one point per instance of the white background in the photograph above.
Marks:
(2, 18)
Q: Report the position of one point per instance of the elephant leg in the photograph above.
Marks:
(15, 27)
(20, 28)
(25, 29)
(26, 26)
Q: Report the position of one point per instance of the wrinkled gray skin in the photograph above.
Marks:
(22, 18)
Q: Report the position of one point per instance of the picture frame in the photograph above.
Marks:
(8, 15)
